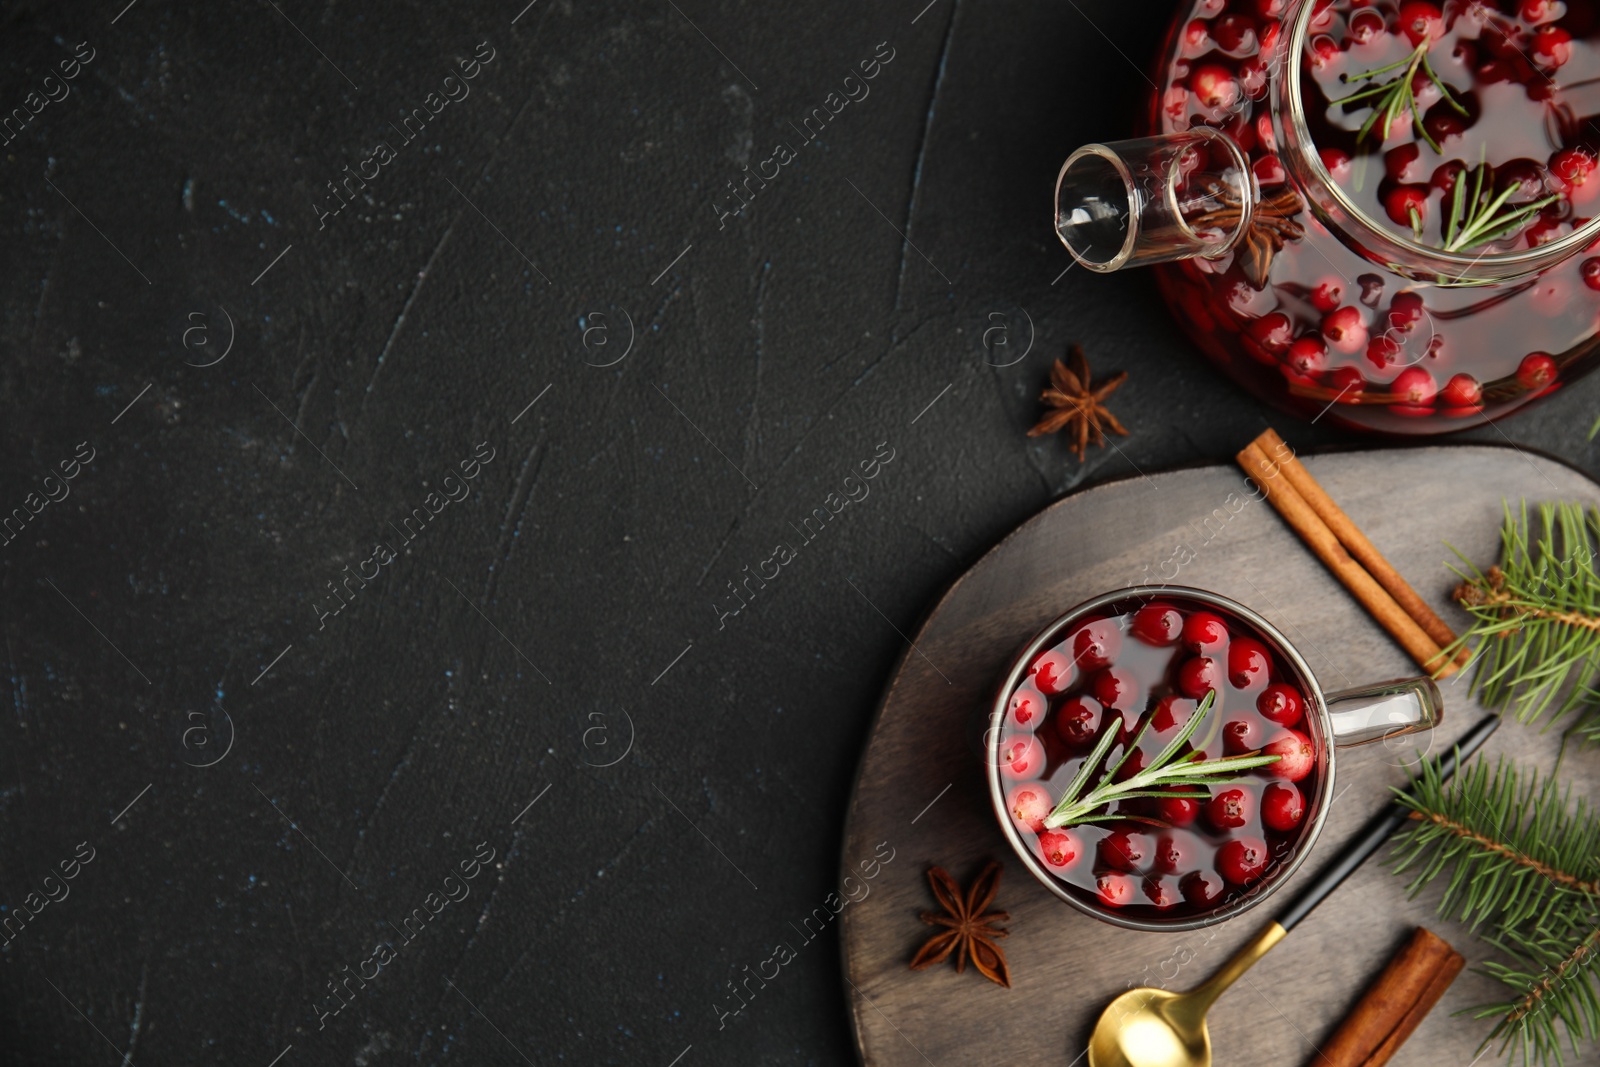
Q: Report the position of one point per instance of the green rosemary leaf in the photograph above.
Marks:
(1167, 769)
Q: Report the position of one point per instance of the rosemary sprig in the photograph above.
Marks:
(1390, 97)
(1482, 220)
(1166, 770)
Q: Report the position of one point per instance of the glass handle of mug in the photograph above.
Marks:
(1388, 709)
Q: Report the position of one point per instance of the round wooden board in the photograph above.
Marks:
(920, 790)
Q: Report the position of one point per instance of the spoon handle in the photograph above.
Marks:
(1379, 830)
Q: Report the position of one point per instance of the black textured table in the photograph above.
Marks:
(445, 587)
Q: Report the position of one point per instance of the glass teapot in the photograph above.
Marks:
(1381, 211)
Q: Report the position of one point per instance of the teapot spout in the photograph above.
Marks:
(1154, 200)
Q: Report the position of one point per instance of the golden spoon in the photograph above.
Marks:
(1156, 1028)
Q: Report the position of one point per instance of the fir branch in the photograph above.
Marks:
(1559, 1001)
(1536, 615)
(1519, 858)
(1515, 848)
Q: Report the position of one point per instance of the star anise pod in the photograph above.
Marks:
(1079, 405)
(969, 929)
(1272, 225)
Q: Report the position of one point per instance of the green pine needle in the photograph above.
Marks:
(1514, 849)
(1521, 864)
(1536, 616)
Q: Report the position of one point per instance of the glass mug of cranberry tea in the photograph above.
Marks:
(1129, 670)
(1381, 209)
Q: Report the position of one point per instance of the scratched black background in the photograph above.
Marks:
(570, 603)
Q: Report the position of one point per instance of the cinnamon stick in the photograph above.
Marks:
(1321, 540)
(1356, 542)
(1394, 1005)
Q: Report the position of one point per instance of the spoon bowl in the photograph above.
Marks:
(1157, 1028)
(1150, 1028)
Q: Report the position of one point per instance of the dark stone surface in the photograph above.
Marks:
(768, 359)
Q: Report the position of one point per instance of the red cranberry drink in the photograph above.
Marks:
(1423, 174)
(1162, 756)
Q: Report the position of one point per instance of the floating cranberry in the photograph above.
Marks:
(1574, 171)
(1536, 371)
(1199, 676)
(1029, 805)
(1325, 297)
(1243, 860)
(1118, 688)
(1271, 9)
(1344, 329)
(1254, 76)
(1280, 703)
(1371, 286)
(1589, 270)
(1337, 162)
(1366, 26)
(1060, 847)
(1406, 310)
(1157, 624)
(1346, 382)
(1027, 708)
(1078, 720)
(1124, 850)
(1196, 37)
(1324, 50)
(1533, 12)
(1414, 385)
(1421, 21)
(1114, 890)
(1021, 756)
(1204, 632)
(1171, 711)
(1096, 644)
(1269, 170)
(1201, 888)
(1307, 357)
(1296, 757)
(1282, 807)
(1231, 808)
(1403, 163)
(1443, 122)
(1445, 175)
(1272, 332)
(1178, 811)
(1161, 894)
(1408, 206)
(1248, 663)
(1523, 178)
(1242, 735)
(1383, 351)
(1235, 35)
(1208, 8)
(1551, 47)
(1461, 391)
(1174, 854)
(1214, 85)
(1053, 672)
(1270, 31)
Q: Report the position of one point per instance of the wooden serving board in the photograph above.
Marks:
(921, 788)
